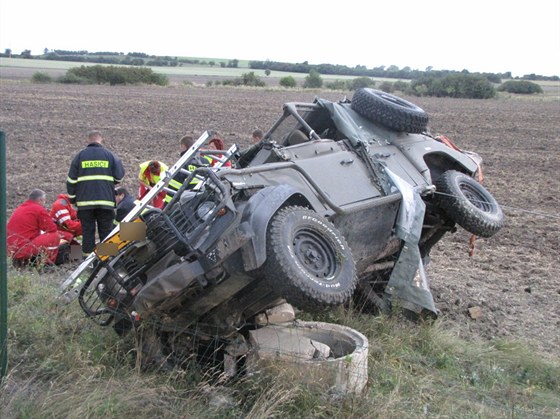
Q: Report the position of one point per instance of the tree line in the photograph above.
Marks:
(390, 72)
(118, 58)
(141, 59)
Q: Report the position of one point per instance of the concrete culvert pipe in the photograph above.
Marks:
(330, 356)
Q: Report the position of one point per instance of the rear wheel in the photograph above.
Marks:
(468, 203)
(308, 260)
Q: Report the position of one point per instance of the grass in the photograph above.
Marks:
(63, 365)
(184, 70)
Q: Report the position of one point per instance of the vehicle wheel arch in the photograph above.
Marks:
(258, 213)
(438, 163)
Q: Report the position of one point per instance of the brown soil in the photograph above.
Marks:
(513, 277)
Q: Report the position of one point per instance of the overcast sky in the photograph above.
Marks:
(479, 35)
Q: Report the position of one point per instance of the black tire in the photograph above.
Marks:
(308, 261)
(389, 110)
(468, 203)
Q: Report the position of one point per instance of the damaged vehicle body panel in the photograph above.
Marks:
(338, 199)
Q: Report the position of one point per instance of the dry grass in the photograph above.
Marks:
(62, 365)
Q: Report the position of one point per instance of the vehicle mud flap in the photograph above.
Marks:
(167, 284)
(408, 281)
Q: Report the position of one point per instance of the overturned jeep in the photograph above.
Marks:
(338, 199)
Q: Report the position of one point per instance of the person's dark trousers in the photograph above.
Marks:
(89, 218)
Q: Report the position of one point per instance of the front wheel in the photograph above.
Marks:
(468, 203)
(308, 260)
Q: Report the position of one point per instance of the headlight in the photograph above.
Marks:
(204, 211)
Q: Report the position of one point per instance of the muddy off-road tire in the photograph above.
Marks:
(308, 261)
(468, 203)
(389, 110)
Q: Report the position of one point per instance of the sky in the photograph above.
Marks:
(493, 36)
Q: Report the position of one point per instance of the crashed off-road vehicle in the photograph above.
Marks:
(337, 200)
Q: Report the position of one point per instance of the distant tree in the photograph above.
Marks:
(400, 85)
(492, 78)
(520, 87)
(71, 78)
(288, 81)
(267, 71)
(8, 52)
(531, 76)
(222, 64)
(41, 77)
(313, 80)
(337, 85)
(359, 82)
(26, 53)
(138, 54)
(113, 75)
(211, 63)
(458, 85)
(506, 75)
(233, 63)
(45, 51)
(251, 79)
(386, 87)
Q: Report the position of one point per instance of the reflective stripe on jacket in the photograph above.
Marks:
(65, 215)
(149, 179)
(178, 180)
(92, 177)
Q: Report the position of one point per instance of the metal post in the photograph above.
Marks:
(3, 262)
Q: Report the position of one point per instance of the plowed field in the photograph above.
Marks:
(513, 277)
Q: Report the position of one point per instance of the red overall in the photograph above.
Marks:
(31, 232)
(66, 218)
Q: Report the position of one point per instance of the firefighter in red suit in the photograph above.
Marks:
(31, 233)
(66, 218)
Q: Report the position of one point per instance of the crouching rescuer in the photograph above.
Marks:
(32, 236)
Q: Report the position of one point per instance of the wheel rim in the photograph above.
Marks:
(395, 100)
(476, 198)
(316, 254)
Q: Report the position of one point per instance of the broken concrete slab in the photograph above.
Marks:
(281, 313)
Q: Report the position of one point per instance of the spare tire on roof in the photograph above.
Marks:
(389, 110)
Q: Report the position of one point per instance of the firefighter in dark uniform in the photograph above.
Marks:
(91, 186)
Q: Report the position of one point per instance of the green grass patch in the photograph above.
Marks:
(64, 365)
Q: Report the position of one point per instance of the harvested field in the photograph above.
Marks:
(513, 277)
